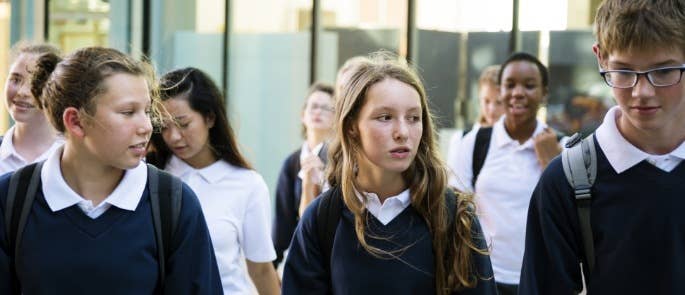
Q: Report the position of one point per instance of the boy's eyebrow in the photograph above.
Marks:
(668, 62)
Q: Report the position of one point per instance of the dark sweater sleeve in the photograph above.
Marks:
(192, 267)
(6, 282)
(552, 256)
(485, 283)
(286, 210)
(304, 271)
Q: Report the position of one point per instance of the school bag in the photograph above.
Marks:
(580, 167)
(165, 202)
(328, 215)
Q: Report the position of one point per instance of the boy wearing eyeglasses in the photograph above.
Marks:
(637, 211)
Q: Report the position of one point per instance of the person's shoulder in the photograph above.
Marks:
(294, 156)
(4, 185)
(554, 171)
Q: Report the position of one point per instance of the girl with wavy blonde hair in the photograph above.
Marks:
(401, 230)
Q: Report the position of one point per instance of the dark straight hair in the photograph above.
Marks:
(205, 98)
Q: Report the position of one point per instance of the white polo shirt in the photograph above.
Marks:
(502, 194)
(236, 205)
(622, 154)
(10, 160)
(59, 195)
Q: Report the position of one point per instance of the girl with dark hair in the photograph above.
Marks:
(91, 227)
(399, 228)
(32, 138)
(517, 148)
(198, 145)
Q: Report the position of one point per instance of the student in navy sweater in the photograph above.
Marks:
(637, 201)
(90, 229)
(301, 177)
(394, 234)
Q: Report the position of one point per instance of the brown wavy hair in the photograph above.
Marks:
(78, 80)
(426, 176)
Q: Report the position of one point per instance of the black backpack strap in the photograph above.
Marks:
(579, 161)
(480, 151)
(23, 186)
(328, 215)
(165, 201)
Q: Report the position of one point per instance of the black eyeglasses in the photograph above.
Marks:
(659, 77)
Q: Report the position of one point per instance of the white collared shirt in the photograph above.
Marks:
(623, 155)
(126, 195)
(391, 207)
(502, 194)
(236, 205)
(306, 152)
(10, 160)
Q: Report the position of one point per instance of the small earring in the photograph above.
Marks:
(355, 169)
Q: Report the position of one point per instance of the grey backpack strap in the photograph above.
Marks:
(580, 168)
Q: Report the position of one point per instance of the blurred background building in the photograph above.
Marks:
(265, 53)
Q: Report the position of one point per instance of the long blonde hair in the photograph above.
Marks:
(426, 177)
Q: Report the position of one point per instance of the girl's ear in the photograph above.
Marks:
(209, 120)
(73, 123)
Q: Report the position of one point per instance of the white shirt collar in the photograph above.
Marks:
(59, 195)
(391, 207)
(305, 151)
(7, 147)
(211, 174)
(623, 155)
(501, 136)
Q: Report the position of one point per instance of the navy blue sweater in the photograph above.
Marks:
(638, 226)
(355, 271)
(66, 252)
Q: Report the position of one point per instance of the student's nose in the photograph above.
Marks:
(518, 91)
(401, 130)
(172, 133)
(24, 90)
(145, 126)
(643, 88)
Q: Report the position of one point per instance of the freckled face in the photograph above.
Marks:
(390, 128)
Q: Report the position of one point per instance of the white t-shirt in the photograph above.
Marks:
(502, 194)
(10, 160)
(236, 205)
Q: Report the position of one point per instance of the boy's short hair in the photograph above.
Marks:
(640, 24)
(489, 76)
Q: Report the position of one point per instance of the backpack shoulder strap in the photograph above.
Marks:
(328, 215)
(580, 167)
(165, 201)
(480, 151)
(23, 186)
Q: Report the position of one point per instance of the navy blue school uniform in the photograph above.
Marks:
(638, 226)
(288, 194)
(355, 271)
(67, 252)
